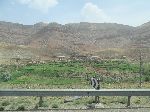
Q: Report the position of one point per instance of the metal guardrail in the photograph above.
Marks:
(75, 92)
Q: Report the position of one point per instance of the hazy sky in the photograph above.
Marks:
(129, 12)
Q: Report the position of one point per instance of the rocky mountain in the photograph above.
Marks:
(15, 33)
(46, 40)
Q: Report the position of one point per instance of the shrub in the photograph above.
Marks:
(2, 109)
(137, 101)
(147, 79)
(6, 76)
(147, 70)
(5, 103)
(43, 104)
(90, 101)
(54, 106)
(21, 108)
(77, 102)
(123, 101)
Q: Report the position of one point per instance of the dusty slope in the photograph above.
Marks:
(83, 38)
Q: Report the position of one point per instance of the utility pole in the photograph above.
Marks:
(139, 50)
(141, 68)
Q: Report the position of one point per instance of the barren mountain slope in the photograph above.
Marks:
(83, 38)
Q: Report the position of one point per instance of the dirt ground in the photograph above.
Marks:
(98, 110)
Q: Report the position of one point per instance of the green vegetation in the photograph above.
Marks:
(5, 103)
(21, 108)
(73, 73)
(54, 73)
(117, 65)
(2, 108)
(54, 106)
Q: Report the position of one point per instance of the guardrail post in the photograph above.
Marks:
(95, 99)
(40, 101)
(129, 101)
